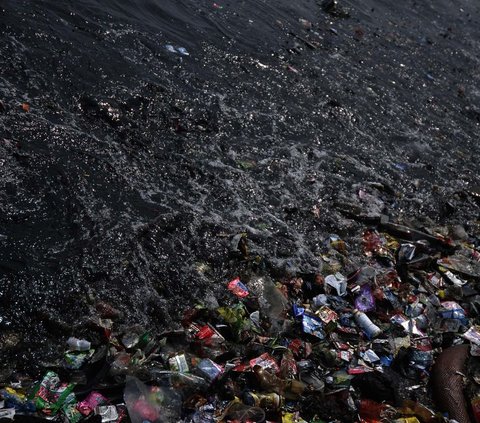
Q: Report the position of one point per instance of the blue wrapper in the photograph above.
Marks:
(386, 360)
(297, 311)
(209, 368)
(313, 326)
(392, 298)
(19, 402)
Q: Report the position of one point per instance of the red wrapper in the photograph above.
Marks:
(266, 361)
(238, 288)
(93, 400)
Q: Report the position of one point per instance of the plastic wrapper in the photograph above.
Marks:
(342, 378)
(88, 405)
(326, 315)
(406, 252)
(238, 288)
(121, 363)
(365, 301)
(297, 310)
(452, 310)
(421, 359)
(288, 365)
(338, 303)
(415, 409)
(473, 335)
(409, 325)
(265, 361)
(313, 380)
(372, 242)
(255, 318)
(70, 410)
(449, 325)
(335, 242)
(178, 363)
(7, 413)
(75, 360)
(422, 344)
(210, 336)
(203, 416)
(365, 274)
(345, 355)
(107, 412)
(51, 394)
(17, 400)
(292, 418)
(300, 348)
(236, 316)
(370, 356)
(205, 332)
(461, 265)
(371, 411)
(358, 370)
(320, 300)
(209, 369)
(414, 310)
(341, 346)
(130, 339)
(422, 322)
(386, 360)
(313, 326)
(185, 383)
(454, 279)
(436, 280)
(347, 331)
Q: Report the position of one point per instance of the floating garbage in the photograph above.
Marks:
(289, 349)
(177, 50)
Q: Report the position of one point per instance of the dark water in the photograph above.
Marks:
(136, 167)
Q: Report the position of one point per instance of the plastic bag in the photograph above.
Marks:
(338, 282)
(152, 403)
(244, 413)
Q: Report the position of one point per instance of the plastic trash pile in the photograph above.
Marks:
(334, 346)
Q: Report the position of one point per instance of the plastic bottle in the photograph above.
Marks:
(75, 344)
(289, 388)
(270, 401)
(362, 320)
(272, 302)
